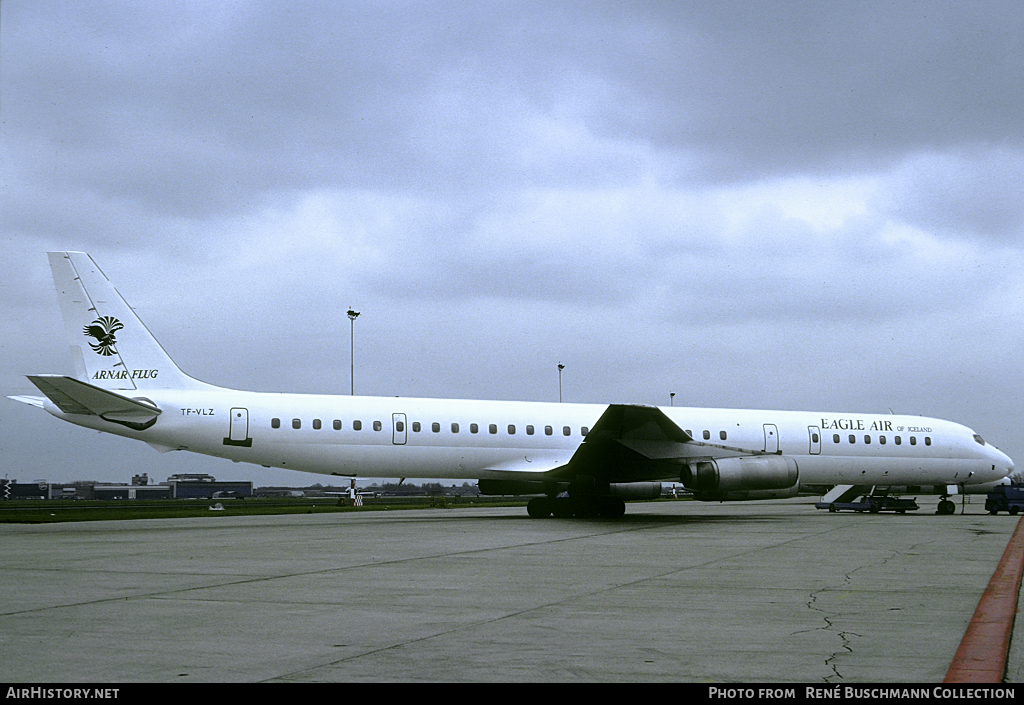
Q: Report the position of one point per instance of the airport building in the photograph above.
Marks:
(176, 487)
(12, 489)
(207, 487)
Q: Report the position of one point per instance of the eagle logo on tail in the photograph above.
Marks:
(103, 329)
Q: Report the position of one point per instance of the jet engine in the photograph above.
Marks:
(747, 477)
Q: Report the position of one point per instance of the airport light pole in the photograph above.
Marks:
(560, 368)
(352, 316)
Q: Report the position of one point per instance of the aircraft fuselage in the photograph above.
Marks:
(469, 439)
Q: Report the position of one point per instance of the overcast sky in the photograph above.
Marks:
(799, 205)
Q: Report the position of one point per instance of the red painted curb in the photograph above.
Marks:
(982, 655)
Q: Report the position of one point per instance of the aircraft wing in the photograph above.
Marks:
(73, 396)
(630, 442)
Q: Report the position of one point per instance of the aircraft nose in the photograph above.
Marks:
(1003, 460)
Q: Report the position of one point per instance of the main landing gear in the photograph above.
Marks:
(586, 507)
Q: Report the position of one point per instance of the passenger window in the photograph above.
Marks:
(835, 437)
(376, 425)
(584, 431)
(723, 435)
(899, 441)
(867, 440)
(357, 425)
(316, 424)
(455, 428)
(511, 429)
(296, 423)
(913, 440)
(435, 427)
(492, 428)
(853, 438)
(275, 423)
(707, 435)
(529, 430)
(881, 439)
(927, 440)
(399, 426)
(814, 438)
(566, 431)
(473, 428)
(416, 427)
(548, 430)
(337, 424)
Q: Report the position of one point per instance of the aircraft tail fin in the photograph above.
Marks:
(111, 347)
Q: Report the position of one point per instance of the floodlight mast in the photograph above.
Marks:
(352, 316)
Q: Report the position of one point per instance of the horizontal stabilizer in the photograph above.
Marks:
(34, 401)
(73, 396)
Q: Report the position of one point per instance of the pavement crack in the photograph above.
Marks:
(829, 616)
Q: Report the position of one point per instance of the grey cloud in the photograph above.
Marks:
(191, 109)
(767, 88)
(972, 193)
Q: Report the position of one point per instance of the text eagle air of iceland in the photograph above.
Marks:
(862, 425)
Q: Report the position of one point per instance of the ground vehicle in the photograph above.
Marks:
(874, 504)
(1007, 498)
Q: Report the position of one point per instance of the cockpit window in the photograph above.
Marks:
(979, 439)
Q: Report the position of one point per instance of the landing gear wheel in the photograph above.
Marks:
(539, 507)
(563, 508)
(946, 507)
(613, 508)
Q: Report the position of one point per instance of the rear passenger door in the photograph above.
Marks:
(399, 430)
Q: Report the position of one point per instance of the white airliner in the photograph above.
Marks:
(583, 459)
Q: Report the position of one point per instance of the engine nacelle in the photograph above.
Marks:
(635, 490)
(747, 477)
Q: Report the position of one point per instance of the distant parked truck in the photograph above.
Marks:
(1005, 498)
